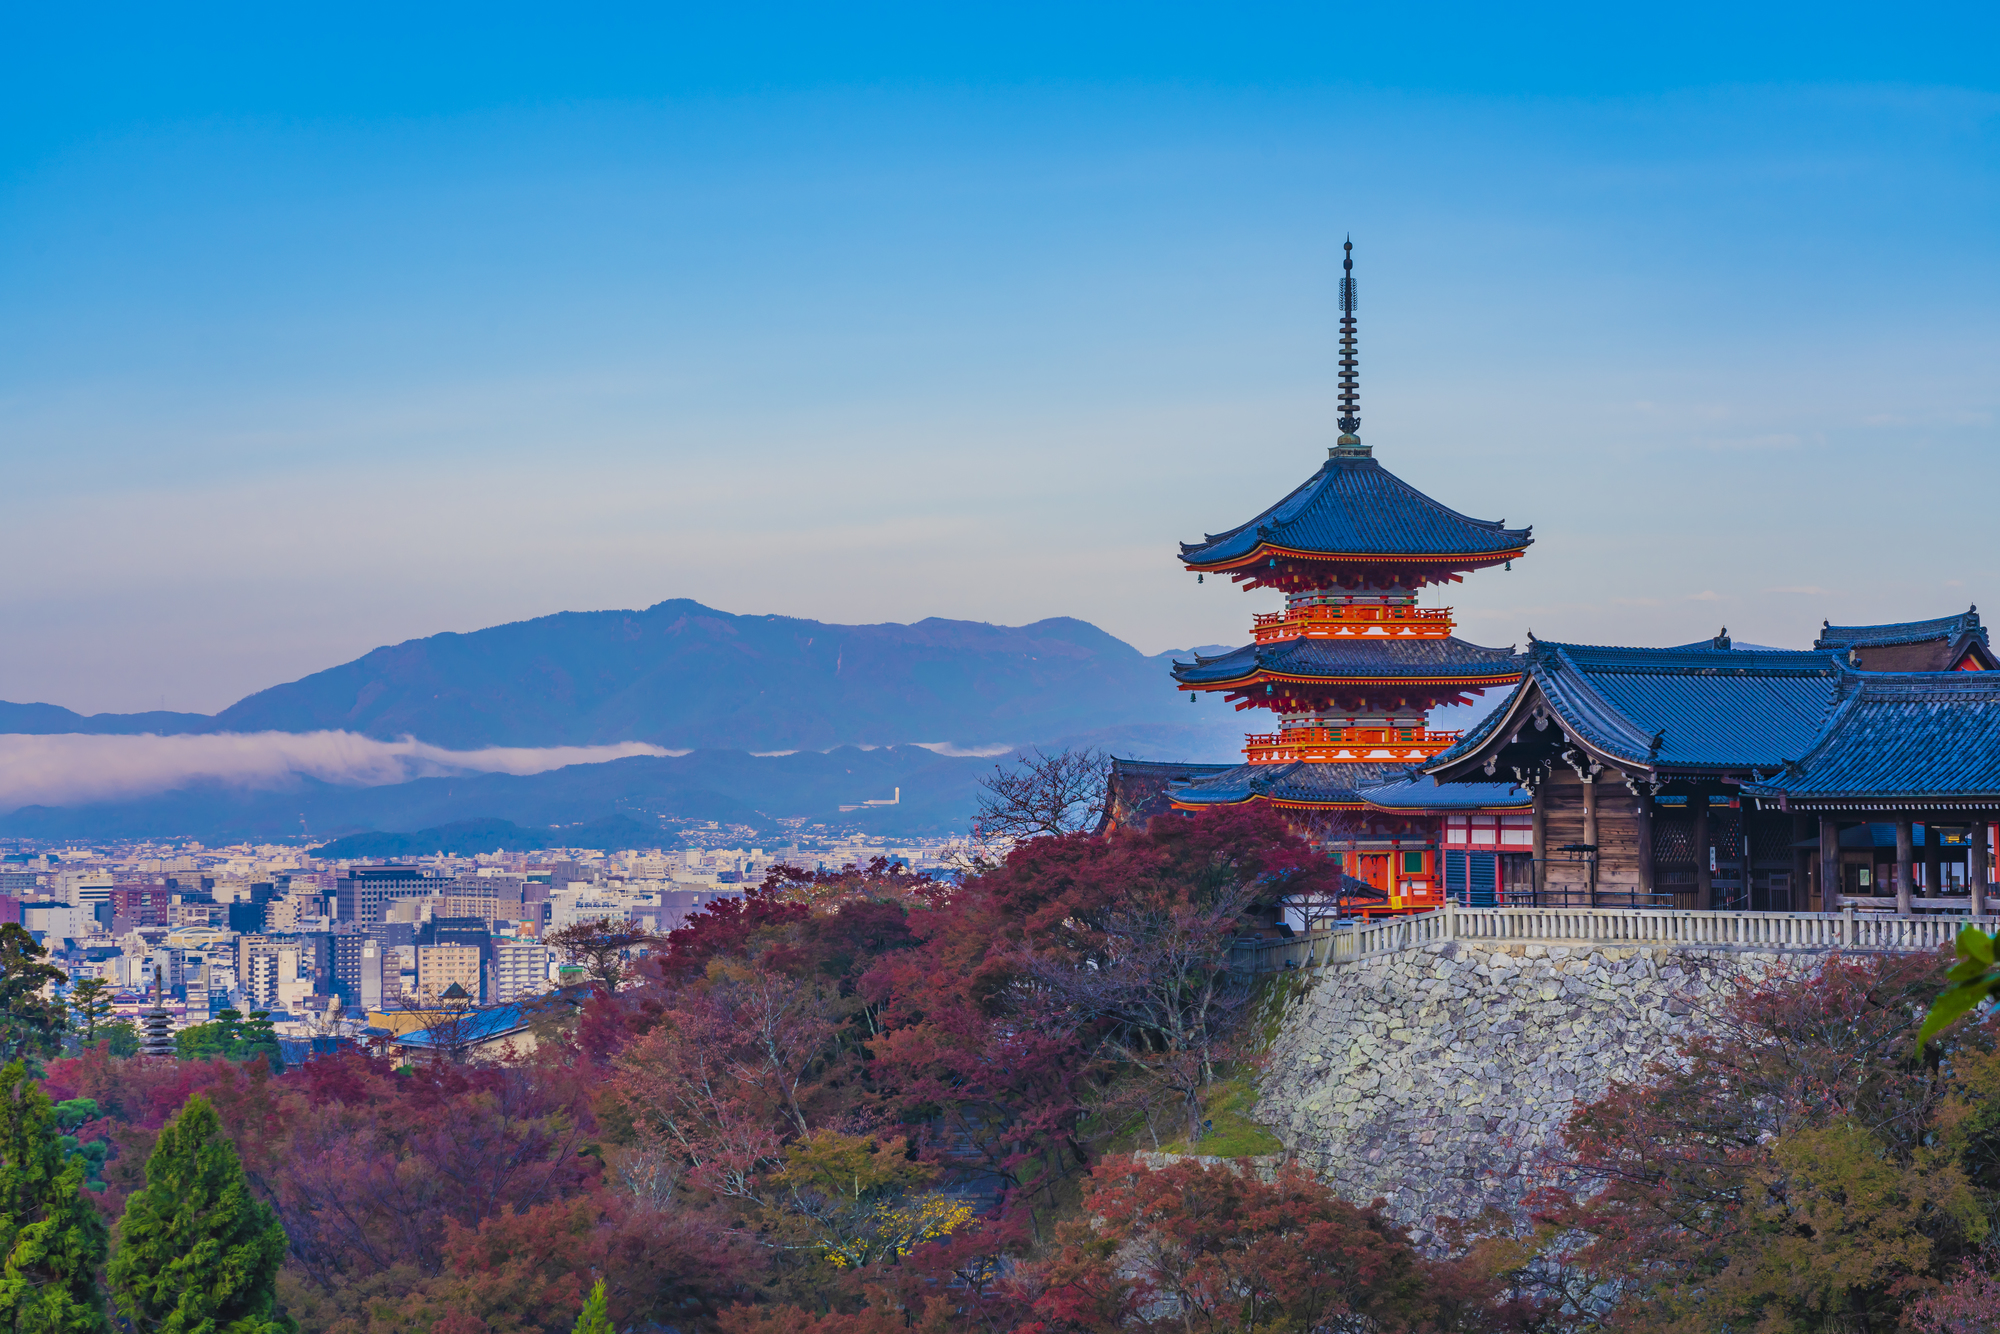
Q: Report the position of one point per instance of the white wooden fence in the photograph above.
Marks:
(1615, 928)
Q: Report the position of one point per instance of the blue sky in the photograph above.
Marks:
(332, 328)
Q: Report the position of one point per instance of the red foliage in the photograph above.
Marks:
(1001, 1075)
(1195, 1247)
(724, 927)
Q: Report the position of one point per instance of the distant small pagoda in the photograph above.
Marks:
(156, 1026)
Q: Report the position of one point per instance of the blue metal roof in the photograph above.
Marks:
(474, 1026)
(1903, 632)
(1351, 506)
(1427, 794)
(1343, 659)
(1695, 707)
(1903, 736)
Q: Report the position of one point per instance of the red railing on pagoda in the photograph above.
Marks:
(1353, 623)
(1334, 745)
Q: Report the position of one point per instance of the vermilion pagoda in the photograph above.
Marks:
(1353, 666)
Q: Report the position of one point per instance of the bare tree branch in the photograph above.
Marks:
(1043, 794)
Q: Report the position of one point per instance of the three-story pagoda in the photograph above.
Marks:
(1353, 665)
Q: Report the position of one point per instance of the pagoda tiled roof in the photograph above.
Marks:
(1690, 707)
(1449, 659)
(1902, 736)
(1904, 632)
(1355, 506)
(1302, 783)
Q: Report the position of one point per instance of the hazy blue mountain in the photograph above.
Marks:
(683, 675)
(47, 719)
(731, 786)
(463, 838)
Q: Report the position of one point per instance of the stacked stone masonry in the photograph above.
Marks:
(1439, 1078)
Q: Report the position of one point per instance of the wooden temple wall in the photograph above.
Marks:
(1567, 818)
(1679, 841)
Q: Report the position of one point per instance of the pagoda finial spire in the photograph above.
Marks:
(1350, 381)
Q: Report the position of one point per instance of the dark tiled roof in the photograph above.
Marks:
(1137, 790)
(1340, 659)
(1903, 735)
(1307, 783)
(1356, 506)
(1707, 708)
(1427, 794)
(1904, 632)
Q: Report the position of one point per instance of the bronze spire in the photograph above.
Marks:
(1350, 383)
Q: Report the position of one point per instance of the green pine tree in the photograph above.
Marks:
(52, 1237)
(596, 1317)
(197, 1253)
(31, 1024)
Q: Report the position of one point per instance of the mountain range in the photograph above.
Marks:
(782, 717)
(685, 676)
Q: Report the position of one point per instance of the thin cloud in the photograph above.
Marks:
(1810, 590)
(69, 769)
(949, 751)
(1706, 595)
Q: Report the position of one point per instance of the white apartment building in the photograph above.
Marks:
(84, 888)
(57, 922)
(520, 970)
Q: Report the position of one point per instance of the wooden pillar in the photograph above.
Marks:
(1704, 879)
(1801, 864)
(1590, 831)
(1829, 864)
(1541, 809)
(1645, 832)
(1975, 863)
(1905, 863)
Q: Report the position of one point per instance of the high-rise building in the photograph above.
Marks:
(439, 966)
(84, 888)
(141, 905)
(357, 971)
(520, 970)
(361, 893)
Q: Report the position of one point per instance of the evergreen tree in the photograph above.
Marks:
(30, 1023)
(596, 1317)
(196, 1251)
(90, 1009)
(53, 1239)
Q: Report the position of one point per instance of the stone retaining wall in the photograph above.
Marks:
(1435, 1078)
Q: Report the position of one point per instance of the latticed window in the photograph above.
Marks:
(1673, 840)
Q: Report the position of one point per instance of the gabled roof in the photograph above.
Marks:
(1449, 659)
(1354, 506)
(1675, 708)
(1903, 632)
(1916, 737)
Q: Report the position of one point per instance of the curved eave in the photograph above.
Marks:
(1283, 803)
(1288, 678)
(1265, 551)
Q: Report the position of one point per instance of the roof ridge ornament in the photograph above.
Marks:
(1349, 444)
